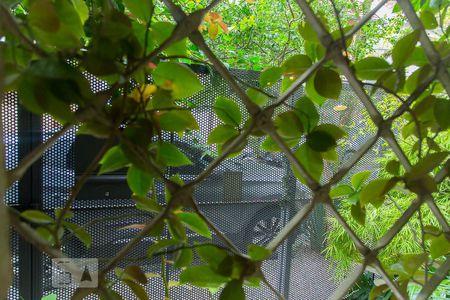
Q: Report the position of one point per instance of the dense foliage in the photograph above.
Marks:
(48, 46)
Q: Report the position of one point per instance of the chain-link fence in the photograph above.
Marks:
(255, 198)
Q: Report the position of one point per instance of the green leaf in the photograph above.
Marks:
(221, 134)
(288, 125)
(258, 253)
(417, 78)
(393, 167)
(82, 9)
(46, 234)
(211, 255)
(228, 111)
(177, 121)
(202, 276)
(233, 290)
(417, 57)
(311, 160)
(307, 113)
(178, 78)
(335, 131)
(50, 85)
(80, 233)
(327, 83)
(161, 31)
(393, 80)
(426, 165)
(183, 258)
(67, 215)
(286, 82)
(139, 181)
(236, 150)
(311, 91)
(375, 191)
(257, 97)
(114, 159)
(43, 15)
(54, 33)
(371, 68)
(341, 190)
(160, 245)
(195, 223)
(439, 246)
(139, 8)
(170, 155)
(403, 48)
(137, 289)
(308, 33)
(49, 297)
(296, 65)
(147, 204)
(433, 145)
(253, 281)
(442, 112)
(269, 76)
(36, 216)
(176, 228)
(409, 264)
(269, 144)
(358, 213)
(428, 19)
(320, 141)
(421, 185)
(330, 155)
(359, 178)
(136, 274)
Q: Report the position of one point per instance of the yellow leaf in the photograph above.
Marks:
(207, 18)
(250, 1)
(223, 26)
(144, 92)
(213, 30)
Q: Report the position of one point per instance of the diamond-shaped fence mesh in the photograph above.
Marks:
(253, 198)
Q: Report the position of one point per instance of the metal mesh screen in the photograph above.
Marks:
(11, 141)
(250, 198)
(14, 292)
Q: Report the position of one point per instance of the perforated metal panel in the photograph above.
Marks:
(11, 140)
(250, 198)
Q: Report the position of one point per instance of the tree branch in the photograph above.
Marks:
(5, 259)
(13, 28)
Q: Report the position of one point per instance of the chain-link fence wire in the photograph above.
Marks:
(243, 203)
(317, 200)
(335, 53)
(238, 198)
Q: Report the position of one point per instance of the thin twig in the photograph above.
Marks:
(271, 287)
(78, 186)
(12, 26)
(18, 172)
(218, 232)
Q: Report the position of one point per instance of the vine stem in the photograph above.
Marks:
(271, 287)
